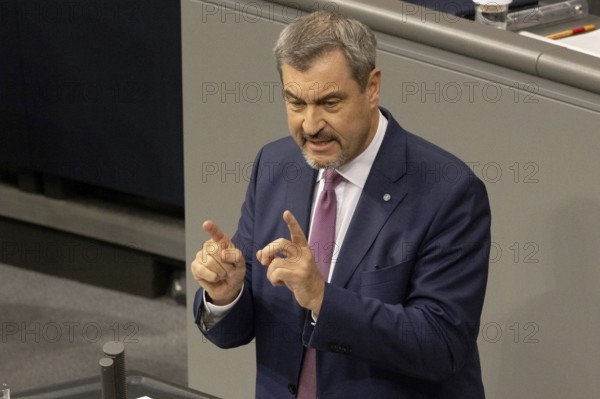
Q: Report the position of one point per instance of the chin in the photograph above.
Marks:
(323, 164)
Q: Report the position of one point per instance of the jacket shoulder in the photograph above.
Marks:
(283, 149)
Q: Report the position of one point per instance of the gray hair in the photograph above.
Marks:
(314, 35)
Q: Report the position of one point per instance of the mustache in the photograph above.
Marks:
(321, 135)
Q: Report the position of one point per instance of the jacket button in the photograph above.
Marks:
(292, 388)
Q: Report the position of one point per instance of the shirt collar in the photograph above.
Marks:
(357, 170)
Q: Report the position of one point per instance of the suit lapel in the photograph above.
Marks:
(299, 194)
(382, 193)
(299, 197)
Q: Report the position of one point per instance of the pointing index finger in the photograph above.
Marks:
(215, 232)
(296, 234)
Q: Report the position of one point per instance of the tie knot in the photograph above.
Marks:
(332, 179)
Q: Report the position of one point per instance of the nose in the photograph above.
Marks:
(313, 121)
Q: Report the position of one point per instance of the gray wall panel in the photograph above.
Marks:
(232, 106)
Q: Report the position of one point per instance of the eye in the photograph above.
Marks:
(295, 104)
(331, 104)
(292, 100)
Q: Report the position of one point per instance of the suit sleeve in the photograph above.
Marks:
(433, 332)
(237, 327)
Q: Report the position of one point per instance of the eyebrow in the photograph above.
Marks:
(321, 100)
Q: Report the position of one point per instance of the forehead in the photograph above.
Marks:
(327, 74)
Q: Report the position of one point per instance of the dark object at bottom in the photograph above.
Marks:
(116, 384)
(83, 259)
(138, 385)
(107, 375)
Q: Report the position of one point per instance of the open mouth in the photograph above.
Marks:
(320, 145)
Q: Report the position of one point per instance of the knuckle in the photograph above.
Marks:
(207, 273)
(229, 257)
(195, 268)
(216, 269)
(210, 277)
(202, 257)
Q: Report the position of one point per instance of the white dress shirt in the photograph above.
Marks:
(347, 193)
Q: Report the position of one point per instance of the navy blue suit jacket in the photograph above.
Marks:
(400, 316)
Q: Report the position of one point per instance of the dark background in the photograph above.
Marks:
(90, 91)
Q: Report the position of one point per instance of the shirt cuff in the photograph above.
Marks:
(212, 314)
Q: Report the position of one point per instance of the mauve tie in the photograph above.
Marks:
(322, 242)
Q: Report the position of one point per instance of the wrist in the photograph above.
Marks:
(219, 301)
(222, 300)
(316, 304)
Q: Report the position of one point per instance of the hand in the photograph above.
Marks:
(291, 263)
(219, 267)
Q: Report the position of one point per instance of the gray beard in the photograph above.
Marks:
(336, 163)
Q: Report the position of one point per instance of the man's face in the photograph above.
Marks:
(328, 116)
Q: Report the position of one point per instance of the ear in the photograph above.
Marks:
(373, 88)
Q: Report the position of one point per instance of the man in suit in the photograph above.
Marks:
(389, 307)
